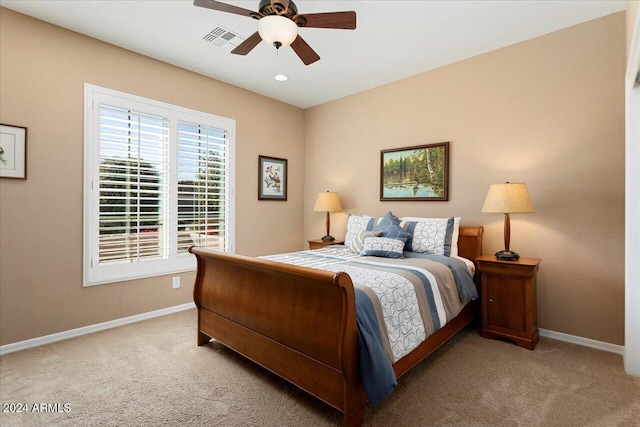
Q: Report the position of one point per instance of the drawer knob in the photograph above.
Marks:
(490, 299)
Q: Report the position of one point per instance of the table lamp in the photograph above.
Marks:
(508, 198)
(328, 202)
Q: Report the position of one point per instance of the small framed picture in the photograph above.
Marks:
(13, 152)
(272, 178)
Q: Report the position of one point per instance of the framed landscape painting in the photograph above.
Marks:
(418, 173)
(272, 178)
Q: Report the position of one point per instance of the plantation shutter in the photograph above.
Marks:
(158, 178)
(203, 187)
(133, 186)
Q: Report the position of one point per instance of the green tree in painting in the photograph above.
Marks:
(430, 167)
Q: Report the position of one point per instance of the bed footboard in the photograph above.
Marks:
(297, 322)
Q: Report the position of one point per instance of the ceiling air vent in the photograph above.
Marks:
(223, 38)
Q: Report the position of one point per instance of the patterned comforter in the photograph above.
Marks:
(399, 303)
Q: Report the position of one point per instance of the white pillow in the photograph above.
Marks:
(433, 241)
(355, 224)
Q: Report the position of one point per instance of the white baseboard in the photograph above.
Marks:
(587, 342)
(48, 339)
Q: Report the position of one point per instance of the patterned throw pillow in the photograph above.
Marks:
(383, 247)
(430, 235)
(357, 244)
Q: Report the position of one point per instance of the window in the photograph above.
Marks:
(158, 179)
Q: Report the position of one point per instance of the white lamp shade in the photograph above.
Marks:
(508, 198)
(327, 202)
(275, 28)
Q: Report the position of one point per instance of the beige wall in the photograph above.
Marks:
(42, 72)
(548, 112)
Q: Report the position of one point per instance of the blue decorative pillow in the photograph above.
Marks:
(390, 227)
(385, 247)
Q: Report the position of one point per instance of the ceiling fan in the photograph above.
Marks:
(278, 22)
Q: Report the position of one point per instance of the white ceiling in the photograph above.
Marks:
(393, 40)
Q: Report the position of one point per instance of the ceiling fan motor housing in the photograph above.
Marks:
(266, 9)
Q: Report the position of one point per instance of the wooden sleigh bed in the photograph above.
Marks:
(300, 323)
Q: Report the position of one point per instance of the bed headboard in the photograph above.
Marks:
(470, 242)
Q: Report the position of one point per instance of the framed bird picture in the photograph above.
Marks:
(272, 178)
(13, 152)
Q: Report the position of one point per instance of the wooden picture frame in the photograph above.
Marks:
(13, 152)
(419, 173)
(272, 178)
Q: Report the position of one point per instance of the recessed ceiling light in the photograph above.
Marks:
(281, 77)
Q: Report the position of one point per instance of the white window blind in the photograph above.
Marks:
(158, 179)
(203, 187)
(134, 186)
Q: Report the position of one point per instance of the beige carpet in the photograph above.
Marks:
(152, 373)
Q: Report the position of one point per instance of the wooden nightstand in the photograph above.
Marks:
(319, 244)
(508, 292)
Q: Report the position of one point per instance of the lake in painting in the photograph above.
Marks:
(401, 191)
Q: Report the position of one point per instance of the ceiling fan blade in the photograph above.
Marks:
(339, 20)
(224, 7)
(304, 51)
(247, 45)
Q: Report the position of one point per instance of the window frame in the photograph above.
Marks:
(93, 272)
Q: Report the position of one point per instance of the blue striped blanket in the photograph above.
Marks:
(399, 303)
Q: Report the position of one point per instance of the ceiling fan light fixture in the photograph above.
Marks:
(277, 30)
